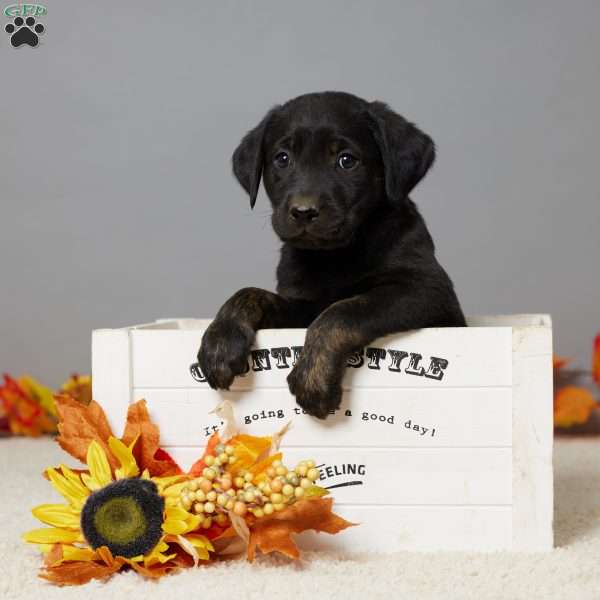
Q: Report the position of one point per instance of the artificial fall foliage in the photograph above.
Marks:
(28, 408)
(133, 507)
(576, 408)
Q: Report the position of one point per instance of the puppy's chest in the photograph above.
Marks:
(323, 281)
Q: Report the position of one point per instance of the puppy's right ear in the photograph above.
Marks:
(248, 158)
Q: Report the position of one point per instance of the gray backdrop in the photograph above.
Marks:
(118, 205)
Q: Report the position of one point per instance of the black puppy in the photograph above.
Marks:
(357, 261)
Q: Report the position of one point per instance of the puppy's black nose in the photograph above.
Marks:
(304, 209)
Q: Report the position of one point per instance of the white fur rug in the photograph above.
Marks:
(572, 570)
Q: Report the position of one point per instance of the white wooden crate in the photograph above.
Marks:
(443, 440)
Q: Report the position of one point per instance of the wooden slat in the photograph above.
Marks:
(415, 476)
(533, 439)
(447, 417)
(397, 528)
(475, 357)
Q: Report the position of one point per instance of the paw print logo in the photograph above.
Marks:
(24, 31)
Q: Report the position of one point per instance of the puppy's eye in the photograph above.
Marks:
(282, 160)
(347, 161)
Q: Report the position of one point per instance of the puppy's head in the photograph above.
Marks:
(327, 160)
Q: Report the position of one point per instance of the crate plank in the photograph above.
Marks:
(477, 356)
(418, 476)
(446, 417)
(396, 528)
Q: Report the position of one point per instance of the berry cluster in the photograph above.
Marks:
(217, 492)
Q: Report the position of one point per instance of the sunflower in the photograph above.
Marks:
(125, 517)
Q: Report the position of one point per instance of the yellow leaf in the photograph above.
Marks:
(315, 491)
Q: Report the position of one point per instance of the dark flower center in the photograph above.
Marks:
(125, 515)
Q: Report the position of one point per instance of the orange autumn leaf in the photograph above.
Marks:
(248, 449)
(79, 425)
(558, 362)
(147, 451)
(199, 465)
(25, 405)
(596, 360)
(273, 533)
(78, 387)
(76, 573)
(573, 406)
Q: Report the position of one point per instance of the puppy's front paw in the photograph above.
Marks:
(316, 387)
(224, 352)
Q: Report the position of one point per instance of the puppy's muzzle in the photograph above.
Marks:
(303, 209)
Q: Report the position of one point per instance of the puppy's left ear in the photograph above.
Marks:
(406, 151)
(248, 158)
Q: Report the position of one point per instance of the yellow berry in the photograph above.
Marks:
(299, 492)
(225, 483)
(240, 508)
(258, 512)
(270, 472)
(212, 495)
(301, 470)
(230, 492)
(313, 474)
(209, 460)
(276, 485)
(276, 498)
(276, 463)
(221, 499)
(281, 470)
(287, 490)
(239, 482)
(224, 457)
(200, 495)
(192, 485)
(206, 523)
(305, 483)
(249, 476)
(268, 508)
(205, 485)
(230, 504)
(267, 490)
(221, 519)
(198, 507)
(310, 464)
(209, 507)
(229, 449)
(232, 459)
(279, 506)
(249, 496)
(209, 473)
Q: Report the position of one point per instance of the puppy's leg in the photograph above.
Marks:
(350, 324)
(227, 341)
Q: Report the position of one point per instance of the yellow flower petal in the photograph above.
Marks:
(74, 492)
(58, 515)
(125, 457)
(52, 535)
(174, 512)
(175, 526)
(166, 487)
(200, 541)
(98, 466)
(74, 553)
